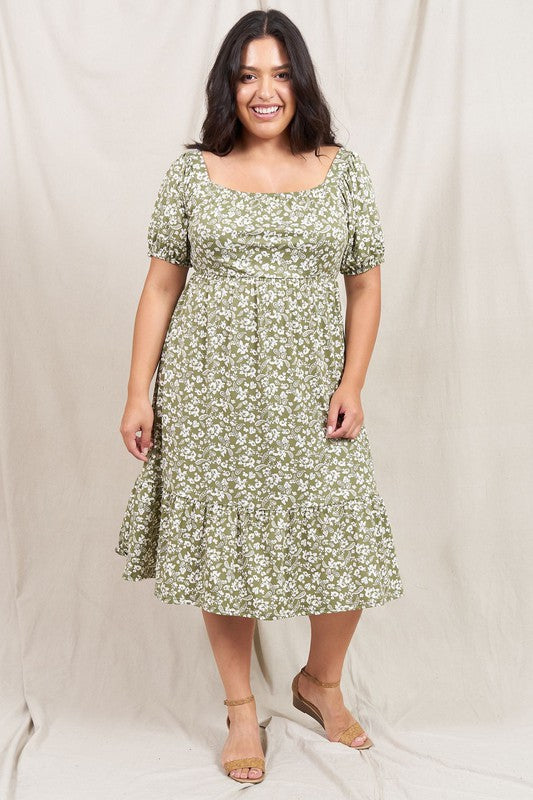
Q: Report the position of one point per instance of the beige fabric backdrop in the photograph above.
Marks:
(105, 691)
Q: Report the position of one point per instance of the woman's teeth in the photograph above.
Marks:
(267, 111)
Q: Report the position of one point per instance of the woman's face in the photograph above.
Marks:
(265, 81)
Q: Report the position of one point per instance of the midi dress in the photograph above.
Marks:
(244, 506)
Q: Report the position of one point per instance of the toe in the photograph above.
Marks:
(359, 740)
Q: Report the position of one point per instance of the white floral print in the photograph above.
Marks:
(244, 507)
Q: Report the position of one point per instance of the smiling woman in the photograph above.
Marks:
(258, 498)
(281, 104)
(270, 110)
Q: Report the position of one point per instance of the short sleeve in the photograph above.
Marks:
(168, 228)
(365, 248)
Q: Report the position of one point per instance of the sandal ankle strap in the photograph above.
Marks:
(238, 702)
(330, 684)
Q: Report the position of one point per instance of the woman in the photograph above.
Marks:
(257, 498)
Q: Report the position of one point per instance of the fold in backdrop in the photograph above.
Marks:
(106, 692)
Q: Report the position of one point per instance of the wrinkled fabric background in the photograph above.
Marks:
(105, 692)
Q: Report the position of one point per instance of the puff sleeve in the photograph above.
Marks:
(168, 227)
(365, 248)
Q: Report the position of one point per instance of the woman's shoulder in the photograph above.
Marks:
(351, 157)
(355, 170)
(180, 171)
(184, 159)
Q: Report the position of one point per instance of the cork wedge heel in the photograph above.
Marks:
(302, 704)
(247, 761)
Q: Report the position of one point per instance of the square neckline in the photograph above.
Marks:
(268, 194)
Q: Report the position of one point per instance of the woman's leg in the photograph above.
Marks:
(330, 636)
(231, 641)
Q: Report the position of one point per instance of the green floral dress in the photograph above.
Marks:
(244, 507)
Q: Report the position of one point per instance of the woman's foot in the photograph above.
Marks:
(329, 700)
(243, 739)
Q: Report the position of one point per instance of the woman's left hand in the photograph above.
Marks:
(345, 415)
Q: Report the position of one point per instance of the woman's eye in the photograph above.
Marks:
(249, 75)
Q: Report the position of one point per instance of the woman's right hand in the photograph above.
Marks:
(138, 416)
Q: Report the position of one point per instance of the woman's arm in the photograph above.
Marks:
(363, 311)
(162, 288)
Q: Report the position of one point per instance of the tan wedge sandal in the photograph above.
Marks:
(307, 707)
(248, 761)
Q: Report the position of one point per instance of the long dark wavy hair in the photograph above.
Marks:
(310, 126)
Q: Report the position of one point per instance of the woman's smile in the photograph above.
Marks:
(266, 112)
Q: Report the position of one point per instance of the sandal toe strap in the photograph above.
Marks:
(350, 733)
(251, 761)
